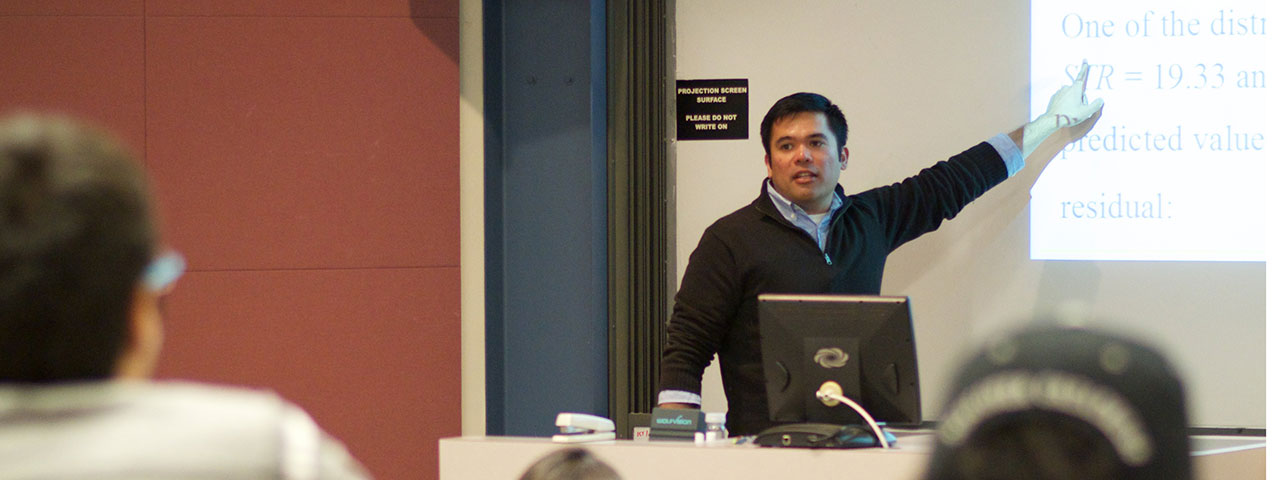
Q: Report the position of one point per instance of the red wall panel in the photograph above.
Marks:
(305, 156)
(371, 353)
(71, 7)
(326, 142)
(295, 8)
(87, 66)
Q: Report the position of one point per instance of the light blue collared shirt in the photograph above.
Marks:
(1009, 152)
(819, 229)
(817, 226)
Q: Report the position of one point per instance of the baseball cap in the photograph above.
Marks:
(1120, 393)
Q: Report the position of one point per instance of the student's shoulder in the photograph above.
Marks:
(211, 401)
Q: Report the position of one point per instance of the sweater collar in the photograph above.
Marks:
(765, 203)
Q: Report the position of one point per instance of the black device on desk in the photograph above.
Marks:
(819, 435)
(863, 344)
(680, 424)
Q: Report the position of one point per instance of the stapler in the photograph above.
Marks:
(581, 427)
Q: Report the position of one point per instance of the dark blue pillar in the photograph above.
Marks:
(545, 213)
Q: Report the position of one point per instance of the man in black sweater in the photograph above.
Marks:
(804, 235)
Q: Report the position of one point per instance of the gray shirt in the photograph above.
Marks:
(146, 430)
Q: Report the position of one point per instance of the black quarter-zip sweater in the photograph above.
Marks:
(756, 250)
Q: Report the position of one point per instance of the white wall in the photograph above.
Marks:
(921, 80)
(471, 179)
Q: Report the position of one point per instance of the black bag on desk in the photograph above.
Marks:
(817, 435)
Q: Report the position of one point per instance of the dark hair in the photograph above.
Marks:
(75, 235)
(800, 103)
(1048, 446)
(570, 464)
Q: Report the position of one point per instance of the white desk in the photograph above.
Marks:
(507, 457)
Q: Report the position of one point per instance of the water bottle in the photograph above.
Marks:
(715, 426)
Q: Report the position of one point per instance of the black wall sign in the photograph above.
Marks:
(711, 109)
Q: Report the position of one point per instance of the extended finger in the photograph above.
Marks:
(1083, 78)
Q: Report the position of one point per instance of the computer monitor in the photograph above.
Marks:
(865, 343)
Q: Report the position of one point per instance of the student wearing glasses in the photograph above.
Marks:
(81, 279)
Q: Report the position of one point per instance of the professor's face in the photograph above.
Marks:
(804, 161)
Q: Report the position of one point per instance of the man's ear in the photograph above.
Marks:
(768, 164)
(844, 158)
(143, 338)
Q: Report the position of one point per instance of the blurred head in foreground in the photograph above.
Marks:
(79, 278)
(1056, 403)
(80, 331)
(570, 464)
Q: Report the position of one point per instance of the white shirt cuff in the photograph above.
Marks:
(678, 396)
(1008, 151)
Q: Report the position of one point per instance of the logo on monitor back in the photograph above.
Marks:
(831, 357)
